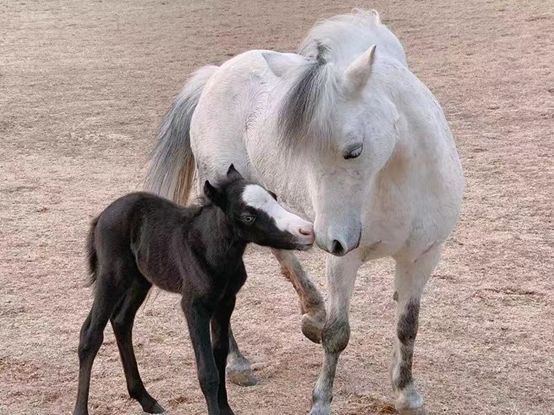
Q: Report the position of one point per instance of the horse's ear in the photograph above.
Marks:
(281, 63)
(232, 173)
(214, 194)
(357, 73)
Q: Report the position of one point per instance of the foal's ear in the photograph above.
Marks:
(232, 173)
(214, 194)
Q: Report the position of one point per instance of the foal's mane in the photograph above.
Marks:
(306, 113)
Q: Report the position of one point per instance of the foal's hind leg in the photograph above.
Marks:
(410, 280)
(122, 322)
(106, 297)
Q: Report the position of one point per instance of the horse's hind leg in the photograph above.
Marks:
(239, 370)
(106, 297)
(122, 322)
(410, 280)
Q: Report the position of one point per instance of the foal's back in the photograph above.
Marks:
(141, 232)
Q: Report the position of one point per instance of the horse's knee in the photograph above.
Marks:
(335, 335)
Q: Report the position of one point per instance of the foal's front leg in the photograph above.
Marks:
(220, 345)
(198, 314)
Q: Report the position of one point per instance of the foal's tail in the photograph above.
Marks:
(91, 251)
(172, 166)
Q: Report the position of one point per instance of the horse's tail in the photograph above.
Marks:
(92, 256)
(171, 169)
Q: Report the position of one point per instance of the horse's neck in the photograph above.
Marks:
(288, 181)
(269, 163)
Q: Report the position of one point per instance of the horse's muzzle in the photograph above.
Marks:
(340, 244)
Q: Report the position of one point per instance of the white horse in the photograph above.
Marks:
(347, 136)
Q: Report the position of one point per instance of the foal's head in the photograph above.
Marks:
(257, 216)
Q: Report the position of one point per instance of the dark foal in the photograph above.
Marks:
(142, 239)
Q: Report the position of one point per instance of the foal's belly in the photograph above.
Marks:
(162, 274)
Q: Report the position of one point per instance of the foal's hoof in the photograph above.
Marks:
(240, 372)
(312, 326)
(226, 411)
(155, 408)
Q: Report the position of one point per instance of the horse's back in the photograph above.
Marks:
(229, 102)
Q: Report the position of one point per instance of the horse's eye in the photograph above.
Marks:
(247, 219)
(353, 151)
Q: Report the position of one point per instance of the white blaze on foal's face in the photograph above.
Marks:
(258, 198)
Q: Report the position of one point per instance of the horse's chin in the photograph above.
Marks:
(334, 252)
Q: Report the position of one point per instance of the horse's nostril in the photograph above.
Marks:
(337, 248)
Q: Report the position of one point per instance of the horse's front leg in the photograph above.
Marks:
(341, 274)
(311, 301)
(410, 279)
(198, 315)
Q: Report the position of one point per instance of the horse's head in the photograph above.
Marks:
(343, 130)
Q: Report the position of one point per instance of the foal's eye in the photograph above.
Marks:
(248, 219)
(353, 152)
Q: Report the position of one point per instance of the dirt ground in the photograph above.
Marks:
(83, 86)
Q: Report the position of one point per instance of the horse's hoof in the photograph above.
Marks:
(242, 377)
(312, 327)
(412, 411)
(410, 402)
(240, 372)
(320, 410)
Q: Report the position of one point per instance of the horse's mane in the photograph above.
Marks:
(306, 113)
(307, 107)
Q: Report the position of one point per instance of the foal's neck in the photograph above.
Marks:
(222, 244)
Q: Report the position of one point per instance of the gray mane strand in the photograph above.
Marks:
(305, 114)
